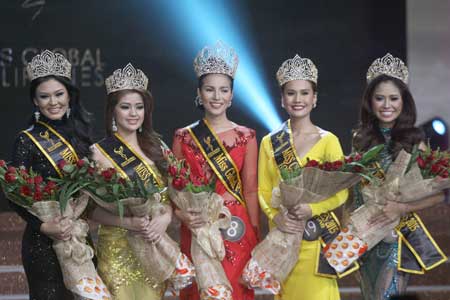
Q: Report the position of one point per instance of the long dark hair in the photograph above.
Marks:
(404, 134)
(148, 139)
(79, 128)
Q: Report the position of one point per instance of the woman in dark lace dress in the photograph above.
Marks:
(58, 117)
(388, 115)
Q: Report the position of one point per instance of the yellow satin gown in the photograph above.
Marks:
(302, 283)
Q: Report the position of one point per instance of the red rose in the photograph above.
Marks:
(327, 166)
(122, 181)
(30, 180)
(37, 188)
(107, 174)
(37, 196)
(24, 173)
(358, 157)
(91, 171)
(444, 174)
(178, 184)
(348, 159)
(51, 184)
(172, 170)
(183, 171)
(10, 177)
(357, 169)
(50, 187)
(11, 169)
(25, 190)
(337, 164)
(80, 163)
(61, 164)
(421, 162)
(312, 163)
(38, 180)
(2, 163)
(435, 169)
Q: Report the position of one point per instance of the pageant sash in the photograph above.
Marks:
(418, 252)
(324, 227)
(127, 161)
(52, 144)
(217, 157)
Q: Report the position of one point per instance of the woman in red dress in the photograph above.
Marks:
(215, 67)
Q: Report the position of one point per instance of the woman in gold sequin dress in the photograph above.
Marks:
(128, 105)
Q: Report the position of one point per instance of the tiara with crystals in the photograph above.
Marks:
(388, 65)
(218, 59)
(297, 68)
(127, 78)
(48, 63)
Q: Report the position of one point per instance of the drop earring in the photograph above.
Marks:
(37, 115)
(114, 126)
(68, 113)
(140, 129)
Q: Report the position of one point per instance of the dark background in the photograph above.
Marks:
(342, 38)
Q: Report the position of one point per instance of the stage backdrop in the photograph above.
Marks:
(100, 36)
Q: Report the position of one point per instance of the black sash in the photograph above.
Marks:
(127, 161)
(217, 157)
(324, 227)
(418, 250)
(53, 145)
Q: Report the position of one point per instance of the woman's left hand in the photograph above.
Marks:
(301, 211)
(391, 211)
(157, 227)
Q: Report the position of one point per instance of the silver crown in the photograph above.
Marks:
(388, 65)
(218, 59)
(48, 63)
(127, 78)
(295, 69)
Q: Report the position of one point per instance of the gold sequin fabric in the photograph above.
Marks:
(118, 266)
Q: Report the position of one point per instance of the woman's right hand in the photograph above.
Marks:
(288, 224)
(192, 218)
(137, 224)
(60, 228)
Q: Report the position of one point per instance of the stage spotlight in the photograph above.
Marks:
(196, 23)
(436, 131)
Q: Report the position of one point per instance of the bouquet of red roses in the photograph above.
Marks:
(190, 192)
(411, 177)
(54, 198)
(274, 258)
(162, 260)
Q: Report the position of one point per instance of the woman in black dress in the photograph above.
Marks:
(59, 129)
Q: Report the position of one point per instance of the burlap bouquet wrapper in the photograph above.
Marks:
(410, 186)
(158, 260)
(207, 247)
(274, 258)
(74, 255)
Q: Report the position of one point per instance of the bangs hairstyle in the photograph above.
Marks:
(149, 140)
(79, 123)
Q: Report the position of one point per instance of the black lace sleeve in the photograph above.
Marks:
(23, 153)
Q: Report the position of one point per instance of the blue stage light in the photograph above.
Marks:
(196, 23)
(439, 127)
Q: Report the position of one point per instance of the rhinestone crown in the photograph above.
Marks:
(388, 65)
(49, 63)
(127, 78)
(218, 59)
(297, 68)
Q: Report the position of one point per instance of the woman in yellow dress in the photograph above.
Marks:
(297, 78)
(135, 150)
